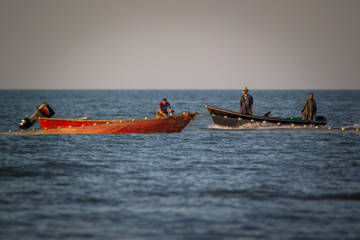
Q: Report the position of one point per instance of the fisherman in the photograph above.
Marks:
(309, 108)
(164, 105)
(246, 102)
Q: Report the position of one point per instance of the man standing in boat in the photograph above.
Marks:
(309, 108)
(246, 102)
(164, 105)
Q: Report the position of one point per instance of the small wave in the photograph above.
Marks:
(326, 197)
(356, 125)
(351, 197)
(224, 193)
(258, 195)
(255, 126)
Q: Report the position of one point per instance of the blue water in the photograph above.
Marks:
(208, 182)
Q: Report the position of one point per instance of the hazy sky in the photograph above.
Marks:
(179, 44)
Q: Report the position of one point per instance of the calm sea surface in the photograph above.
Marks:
(205, 183)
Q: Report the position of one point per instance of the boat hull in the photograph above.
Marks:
(233, 119)
(170, 124)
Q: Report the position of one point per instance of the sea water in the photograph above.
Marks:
(208, 182)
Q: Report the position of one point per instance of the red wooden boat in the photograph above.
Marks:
(169, 124)
(48, 125)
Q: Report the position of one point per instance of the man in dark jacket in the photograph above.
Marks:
(309, 108)
(246, 102)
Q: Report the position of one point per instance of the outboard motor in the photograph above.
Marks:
(320, 118)
(44, 110)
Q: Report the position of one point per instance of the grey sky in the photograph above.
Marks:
(172, 44)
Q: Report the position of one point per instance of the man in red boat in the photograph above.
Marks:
(164, 105)
(246, 102)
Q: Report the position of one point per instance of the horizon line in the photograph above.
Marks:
(172, 89)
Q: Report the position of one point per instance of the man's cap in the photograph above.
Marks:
(245, 89)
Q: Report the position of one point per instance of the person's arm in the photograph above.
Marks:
(303, 109)
(251, 105)
(241, 102)
(315, 109)
(169, 107)
(164, 114)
